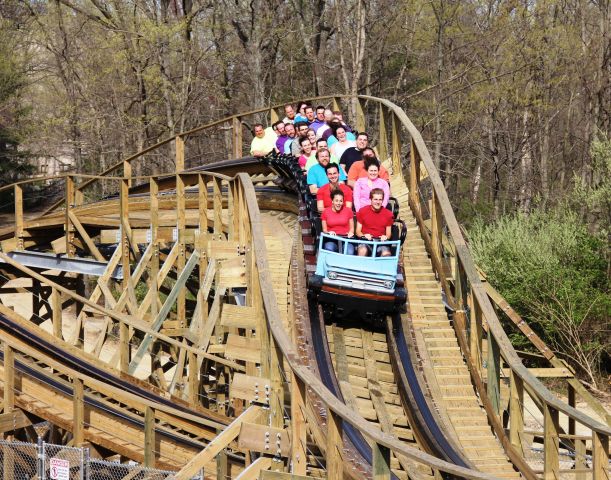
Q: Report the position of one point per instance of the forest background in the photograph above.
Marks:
(512, 96)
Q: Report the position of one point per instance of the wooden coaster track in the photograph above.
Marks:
(209, 309)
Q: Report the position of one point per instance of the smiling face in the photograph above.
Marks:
(333, 175)
(361, 142)
(338, 202)
(309, 113)
(340, 133)
(259, 132)
(289, 130)
(320, 114)
(290, 112)
(280, 128)
(306, 147)
(376, 201)
(372, 172)
(303, 130)
(324, 157)
(312, 137)
(321, 144)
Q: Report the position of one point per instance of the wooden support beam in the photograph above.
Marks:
(493, 373)
(86, 238)
(14, 420)
(154, 263)
(78, 422)
(581, 463)
(18, 193)
(9, 378)
(165, 309)
(181, 311)
(149, 437)
(414, 179)
(217, 202)
(68, 226)
(475, 333)
(220, 442)
(436, 227)
(255, 469)
(516, 411)
(381, 462)
(56, 313)
(600, 456)
(335, 445)
(550, 443)
(298, 426)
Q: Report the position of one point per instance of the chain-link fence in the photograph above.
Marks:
(46, 461)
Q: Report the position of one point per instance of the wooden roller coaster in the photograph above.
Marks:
(163, 317)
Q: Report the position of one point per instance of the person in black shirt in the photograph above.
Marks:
(354, 154)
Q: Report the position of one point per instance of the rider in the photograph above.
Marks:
(374, 221)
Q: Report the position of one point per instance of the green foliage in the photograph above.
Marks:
(13, 161)
(596, 196)
(552, 270)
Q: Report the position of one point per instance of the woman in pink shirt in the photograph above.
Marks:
(364, 185)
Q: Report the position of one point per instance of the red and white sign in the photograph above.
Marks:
(59, 469)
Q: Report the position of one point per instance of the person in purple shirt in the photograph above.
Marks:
(319, 121)
(289, 134)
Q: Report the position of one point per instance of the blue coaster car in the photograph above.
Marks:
(370, 286)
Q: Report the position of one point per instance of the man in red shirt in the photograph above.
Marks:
(357, 170)
(374, 221)
(323, 195)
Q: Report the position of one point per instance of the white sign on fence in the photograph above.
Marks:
(59, 469)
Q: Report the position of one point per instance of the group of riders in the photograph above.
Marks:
(341, 170)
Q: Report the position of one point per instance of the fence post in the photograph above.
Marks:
(123, 328)
(414, 179)
(85, 464)
(42, 474)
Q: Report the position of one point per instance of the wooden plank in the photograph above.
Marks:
(516, 411)
(235, 316)
(223, 249)
(215, 310)
(86, 238)
(552, 372)
(78, 424)
(242, 348)
(600, 456)
(149, 437)
(381, 462)
(219, 443)
(255, 469)
(277, 475)
(232, 272)
(264, 439)
(249, 388)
